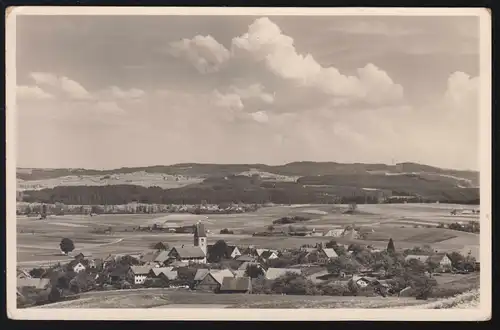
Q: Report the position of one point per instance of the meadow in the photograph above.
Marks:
(408, 224)
(172, 298)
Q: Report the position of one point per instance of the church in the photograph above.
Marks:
(197, 252)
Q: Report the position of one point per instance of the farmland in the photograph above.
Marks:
(38, 240)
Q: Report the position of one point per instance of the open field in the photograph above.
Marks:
(168, 298)
(140, 178)
(38, 240)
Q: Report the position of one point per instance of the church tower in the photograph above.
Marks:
(200, 237)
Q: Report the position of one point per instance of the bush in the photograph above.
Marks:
(226, 231)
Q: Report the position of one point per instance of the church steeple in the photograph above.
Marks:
(200, 237)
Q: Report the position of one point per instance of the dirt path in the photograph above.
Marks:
(314, 277)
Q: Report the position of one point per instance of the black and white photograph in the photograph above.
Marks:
(183, 163)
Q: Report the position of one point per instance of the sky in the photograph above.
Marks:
(123, 91)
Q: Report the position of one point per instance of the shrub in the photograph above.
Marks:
(226, 231)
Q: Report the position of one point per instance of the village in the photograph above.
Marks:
(321, 269)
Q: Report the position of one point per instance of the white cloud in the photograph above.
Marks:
(265, 43)
(260, 116)
(68, 87)
(32, 92)
(115, 92)
(204, 52)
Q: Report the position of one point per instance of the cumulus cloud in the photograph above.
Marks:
(204, 52)
(32, 92)
(264, 42)
(260, 116)
(118, 93)
(70, 88)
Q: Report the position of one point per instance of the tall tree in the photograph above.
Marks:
(66, 245)
(218, 251)
(390, 246)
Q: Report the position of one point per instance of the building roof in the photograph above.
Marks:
(162, 256)
(201, 273)
(166, 271)
(245, 258)
(330, 253)
(150, 256)
(140, 270)
(219, 275)
(437, 257)
(274, 273)
(267, 254)
(73, 263)
(235, 284)
(418, 257)
(189, 251)
(38, 283)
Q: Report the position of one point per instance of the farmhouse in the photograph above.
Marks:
(166, 273)
(188, 254)
(324, 254)
(268, 255)
(149, 257)
(233, 251)
(441, 259)
(78, 265)
(274, 273)
(139, 273)
(211, 280)
(236, 285)
(162, 257)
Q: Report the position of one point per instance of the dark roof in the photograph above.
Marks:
(199, 230)
(266, 254)
(75, 262)
(189, 251)
(245, 258)
(150, 256)
(120, 271)
(162, 256)
(437, 257)
(235, 284)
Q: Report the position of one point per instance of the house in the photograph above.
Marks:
(37, 283)
(233, 251)
(162, 257)
(268, 255)
(139, 273)
(420, 258)
(236, 285)
(274, 273)
(78, 265)
(442, 260)
(212, 280)
(326, 254)
(96, 263)
(188, 254)
(166, 273)
(22, 273)
(81, 256)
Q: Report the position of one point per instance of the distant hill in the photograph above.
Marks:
(299, 182)
(291, 169)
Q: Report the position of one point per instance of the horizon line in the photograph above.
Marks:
(226, 164)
